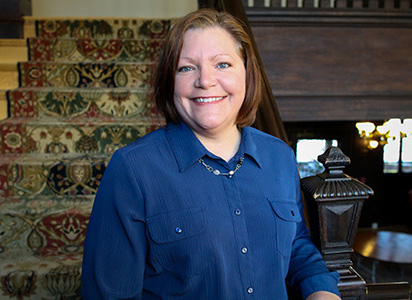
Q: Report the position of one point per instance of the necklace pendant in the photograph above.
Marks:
(216, 172)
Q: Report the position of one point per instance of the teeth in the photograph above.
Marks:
(206, 100)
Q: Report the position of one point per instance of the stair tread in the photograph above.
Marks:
(68, 89)
(96, 39)
(118, 27)
(94, 49)
(85, 74)
(89, 122)
(22, 259)
(52, 158)
(68, 102)
(40, 277)
(51, 174)
(111, 63)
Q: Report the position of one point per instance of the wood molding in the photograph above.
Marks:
(343, 108)
(327, 72)
(329, 17)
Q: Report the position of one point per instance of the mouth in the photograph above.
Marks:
(207, 99)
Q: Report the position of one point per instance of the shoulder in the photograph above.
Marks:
(140, 151)
(145, 143)
(267, 142)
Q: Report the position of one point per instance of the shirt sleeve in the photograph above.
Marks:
(115, 246)
(307, 270)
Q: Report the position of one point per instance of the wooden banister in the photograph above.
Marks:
(392, 291)
(334, 201)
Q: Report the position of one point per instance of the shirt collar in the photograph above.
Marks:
(249, 145)
(187, 149)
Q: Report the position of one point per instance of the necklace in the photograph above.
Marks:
(217, 172)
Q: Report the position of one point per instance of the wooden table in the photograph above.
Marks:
(386, 246)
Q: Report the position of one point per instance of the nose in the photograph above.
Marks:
(205, 78)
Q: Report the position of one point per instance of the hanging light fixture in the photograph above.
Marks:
(371, 135)
(374, 136)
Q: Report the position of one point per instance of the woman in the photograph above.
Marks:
(205, 207)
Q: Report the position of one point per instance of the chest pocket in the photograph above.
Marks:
(286, 217)
(178, 241)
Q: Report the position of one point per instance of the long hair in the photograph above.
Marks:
(163, 80)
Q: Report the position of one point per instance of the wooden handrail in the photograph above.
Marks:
(268, 117)
(339, 5)
(393, 291)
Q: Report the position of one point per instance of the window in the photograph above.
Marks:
(307, 152)
(397, 153)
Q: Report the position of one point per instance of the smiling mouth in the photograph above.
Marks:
(207, 100)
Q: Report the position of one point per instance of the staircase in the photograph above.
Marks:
(82, 95)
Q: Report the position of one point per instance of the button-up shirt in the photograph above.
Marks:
(163, 226)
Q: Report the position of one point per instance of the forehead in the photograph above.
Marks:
(210, 39)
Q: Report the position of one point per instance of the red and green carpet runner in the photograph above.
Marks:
(83, 94)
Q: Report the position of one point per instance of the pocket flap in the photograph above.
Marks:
(287, 211)
(177, 225)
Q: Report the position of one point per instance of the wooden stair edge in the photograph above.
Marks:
(8, 66)
(13, 43)
(3, 105)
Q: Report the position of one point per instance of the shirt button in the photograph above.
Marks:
(178, 230)
(237, 211)
(244, 250)
(250, 290)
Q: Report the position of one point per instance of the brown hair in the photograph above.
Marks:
(164, 73)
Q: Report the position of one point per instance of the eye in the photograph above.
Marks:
(185, 69)
(223, 65)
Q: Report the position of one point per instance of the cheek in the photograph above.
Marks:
(182, 86)
(238, 86)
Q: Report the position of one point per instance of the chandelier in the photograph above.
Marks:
(374, 136)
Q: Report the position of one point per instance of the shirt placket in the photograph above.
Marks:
(243, 250)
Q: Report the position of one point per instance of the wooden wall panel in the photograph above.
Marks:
(329, 72)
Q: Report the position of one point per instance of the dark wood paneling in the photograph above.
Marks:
(331, 72)
(343, 108)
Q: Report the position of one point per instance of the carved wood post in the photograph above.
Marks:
(334, 201)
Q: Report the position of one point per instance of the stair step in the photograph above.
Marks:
(48, 174)
(87, 102)
(13, 50)
(80, 135)
(25, 276)
(97, 49)
(79, 74)
(106, 28)
(42, 224)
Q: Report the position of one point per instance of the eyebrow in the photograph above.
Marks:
(211, 58)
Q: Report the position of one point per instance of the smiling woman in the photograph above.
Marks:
(205, 207)
(210, 87)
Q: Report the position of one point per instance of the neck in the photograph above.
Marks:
(224, 145)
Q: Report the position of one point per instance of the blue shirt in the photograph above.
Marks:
(164, 227)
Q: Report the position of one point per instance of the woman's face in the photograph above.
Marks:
(210, 81)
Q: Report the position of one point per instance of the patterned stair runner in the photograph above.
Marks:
(80, 102)
(83, 94)
(97, 135)
(89, 74)
(87, 49)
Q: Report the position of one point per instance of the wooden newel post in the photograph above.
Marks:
(334, 201)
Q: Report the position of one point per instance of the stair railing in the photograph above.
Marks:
(334, 202)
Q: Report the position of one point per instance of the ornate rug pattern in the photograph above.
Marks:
(83, 94)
